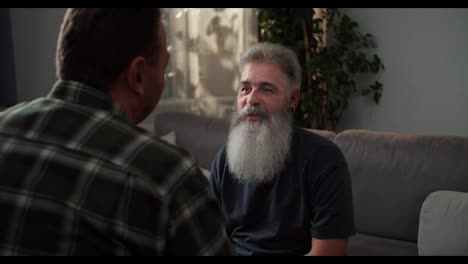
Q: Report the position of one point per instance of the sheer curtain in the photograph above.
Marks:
(204, 45)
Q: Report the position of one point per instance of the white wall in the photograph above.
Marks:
(35, 32)
(425, 53)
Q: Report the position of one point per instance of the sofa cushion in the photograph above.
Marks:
(365, 245)
(393, 173)
(443, 225)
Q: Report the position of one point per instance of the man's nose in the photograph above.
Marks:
(253, 98)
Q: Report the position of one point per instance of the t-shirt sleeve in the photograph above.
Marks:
(332, 213)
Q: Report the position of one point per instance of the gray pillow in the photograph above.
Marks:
(205, 172)
(170, 138)
(443, 224)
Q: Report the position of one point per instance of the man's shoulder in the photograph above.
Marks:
(220, 158)
(309, 142)
(310, 138)
(151, 159)
(221, 154)
(155, 154)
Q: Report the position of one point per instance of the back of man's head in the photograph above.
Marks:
(96, 44)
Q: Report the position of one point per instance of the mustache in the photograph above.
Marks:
(237, 117)
(253, 110)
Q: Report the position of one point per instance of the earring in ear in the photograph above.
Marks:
(292, 109)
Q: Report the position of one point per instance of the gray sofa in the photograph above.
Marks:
(410, 191)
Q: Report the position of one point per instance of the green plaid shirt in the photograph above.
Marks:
(77, 179)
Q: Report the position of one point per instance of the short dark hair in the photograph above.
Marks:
(96, 44)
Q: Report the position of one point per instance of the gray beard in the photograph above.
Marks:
(258, 151)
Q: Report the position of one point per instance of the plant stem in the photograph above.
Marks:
(307, 51)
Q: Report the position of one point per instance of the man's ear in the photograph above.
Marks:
(294, 98)
(135, 75)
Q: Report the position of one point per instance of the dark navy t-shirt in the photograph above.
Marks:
(311, 198)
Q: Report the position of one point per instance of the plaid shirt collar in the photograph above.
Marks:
(81, 94)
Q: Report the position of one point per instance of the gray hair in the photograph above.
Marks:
(276, 54)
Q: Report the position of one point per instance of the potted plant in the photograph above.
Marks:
(335, 57)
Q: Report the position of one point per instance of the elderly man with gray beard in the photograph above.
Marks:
(283, 189)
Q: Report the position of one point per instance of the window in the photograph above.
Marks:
(205, 44)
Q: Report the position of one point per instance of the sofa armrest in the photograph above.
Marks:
(443, 224)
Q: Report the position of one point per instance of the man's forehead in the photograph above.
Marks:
(256, 83)
(277, 81)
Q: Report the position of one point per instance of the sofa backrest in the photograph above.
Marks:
(201, 136)
(330, 135)
(393, 173)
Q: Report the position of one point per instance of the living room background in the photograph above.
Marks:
(205, 44)
(424, 51)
